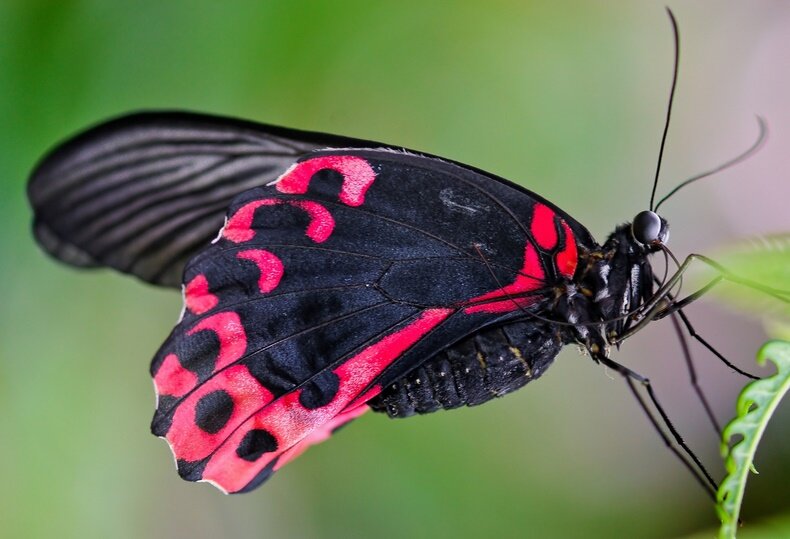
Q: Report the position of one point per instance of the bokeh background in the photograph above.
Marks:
(566, 98)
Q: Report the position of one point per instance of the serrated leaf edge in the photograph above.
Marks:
(755, 406)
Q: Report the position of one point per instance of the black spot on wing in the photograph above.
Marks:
(198, 352)
(320, 390)
(213, 410)
(191, 471)
(255, 443)
(161, 422)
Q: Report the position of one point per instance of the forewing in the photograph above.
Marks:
(143, 193)
(347, 273)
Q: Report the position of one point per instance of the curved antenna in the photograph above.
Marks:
(669, 106)
(761, 138)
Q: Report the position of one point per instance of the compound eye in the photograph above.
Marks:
(646, 227)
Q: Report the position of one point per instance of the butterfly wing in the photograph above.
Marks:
(143, 193)
(352, 270)
(348, 272)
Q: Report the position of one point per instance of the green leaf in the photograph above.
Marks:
(756, 404)
(763, 260)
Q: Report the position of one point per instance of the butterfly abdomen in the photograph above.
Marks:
(489, 364)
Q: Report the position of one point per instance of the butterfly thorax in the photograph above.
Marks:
(613, 281)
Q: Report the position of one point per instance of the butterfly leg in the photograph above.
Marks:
(686, 322)
(684, 345)
(662, 303)
(685, 454)
(677, 318)
(723, 275)
(669, 306)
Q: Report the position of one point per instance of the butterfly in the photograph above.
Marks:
(326, 276)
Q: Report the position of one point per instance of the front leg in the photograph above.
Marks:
(724, 274)
(662, 304)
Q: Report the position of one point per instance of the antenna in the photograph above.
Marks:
(669, 106)
(761, 137)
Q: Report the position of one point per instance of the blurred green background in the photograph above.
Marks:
(565, 97)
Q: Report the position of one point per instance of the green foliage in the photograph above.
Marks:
(756, 404)
(765, 261)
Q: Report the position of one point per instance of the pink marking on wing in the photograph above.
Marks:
(190, 442)
(291, 423)
(357, 174)
(321, 434)
(230, 333)
(173, 379)
(197, 297)
(528, 279)
(567, 259)
(238, 229)
(270, 266)
(543, 229)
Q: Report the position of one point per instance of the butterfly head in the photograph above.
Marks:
(650, 229)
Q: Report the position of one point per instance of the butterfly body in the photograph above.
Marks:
(491, 363)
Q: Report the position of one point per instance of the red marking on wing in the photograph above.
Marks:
(322, 433)
(357, 173)
(230, 333)
(197, 297)
(270, 266)
(292, 424)
(567, 259)
(238, 229)
(543, 229)
(173, 379)
(529, 278)
(190, 442)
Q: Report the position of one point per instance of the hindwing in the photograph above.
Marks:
(351, 270)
